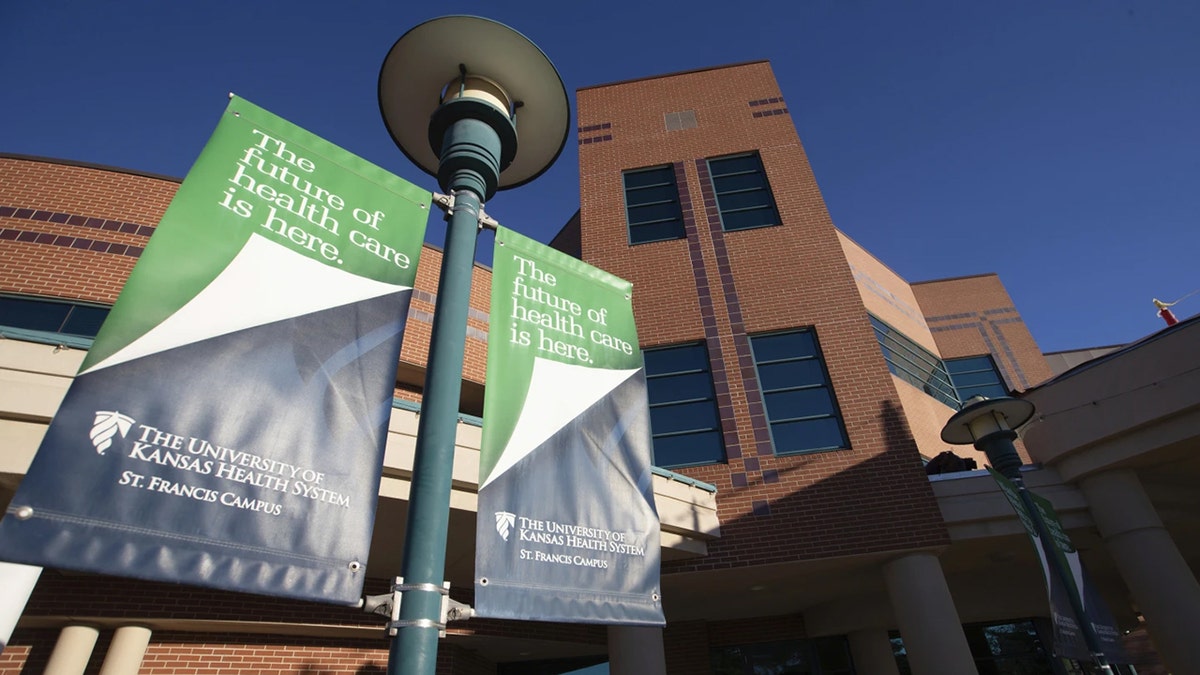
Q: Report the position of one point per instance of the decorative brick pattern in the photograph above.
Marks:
(768, 101)
(769, 113)
(80, 243)
(77, 220)
(745, 371)
(678, 121)
(595, 138)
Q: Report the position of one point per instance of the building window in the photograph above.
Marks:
(801, 408)
(976, 376)
(1013, 647)
(684, 421)
(652, 205)
(914, 364)
(743, 194)
(817, 656)
(577, 665)
(52, 316)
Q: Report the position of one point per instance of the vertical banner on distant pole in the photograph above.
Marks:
(567, 528)
(227, 427)
(1068, 636)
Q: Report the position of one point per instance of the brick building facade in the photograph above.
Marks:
(799, 522)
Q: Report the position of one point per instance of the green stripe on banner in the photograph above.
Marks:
(260, 174)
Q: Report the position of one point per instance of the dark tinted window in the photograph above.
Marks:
(976, 376)
(54, 316)
(801, 408)
(743, 194)
(914, 364)
(652, 205)
(684, 421)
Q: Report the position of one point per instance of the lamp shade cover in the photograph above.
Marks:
(429, 56)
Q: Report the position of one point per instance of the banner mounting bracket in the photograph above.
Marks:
(388, 604)
(446, 203)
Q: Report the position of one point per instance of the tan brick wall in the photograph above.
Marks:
(886, 294)
(974, 315)
(796, 275)
(889, 297)
(971, 316)
(926, 416)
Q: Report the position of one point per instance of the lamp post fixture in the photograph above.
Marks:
(990, 425)
(456, 92)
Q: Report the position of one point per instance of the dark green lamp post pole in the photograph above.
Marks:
(990, 425)
(455, 94)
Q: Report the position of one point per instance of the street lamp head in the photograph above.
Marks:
(467, 67)
(982, 416)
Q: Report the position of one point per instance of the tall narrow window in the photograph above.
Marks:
(652, 205)
(743, 194)
(684, 421)
(976, 376)
(801, 408)
(914, 364)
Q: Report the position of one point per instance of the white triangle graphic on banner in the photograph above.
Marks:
(264, 283)
(558, 393)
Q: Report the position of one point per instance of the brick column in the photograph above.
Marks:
(929, 623)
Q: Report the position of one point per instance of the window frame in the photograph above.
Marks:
(765, 187)
(71, 306)
(885, 333)
(717, 427)
(630, 226)
(992, 368)
(826, 384)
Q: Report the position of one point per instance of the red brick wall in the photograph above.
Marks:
(27, 651)
(221, 653)
(116, 209)
(720, 287)
(176, 653)
(74, 232)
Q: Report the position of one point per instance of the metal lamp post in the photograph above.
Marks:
(456, 93)
(990, 425)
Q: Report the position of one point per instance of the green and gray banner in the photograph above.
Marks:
(227, 427)
(567, 528)
(1069, 640)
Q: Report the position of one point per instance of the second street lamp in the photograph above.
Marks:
(990, 425)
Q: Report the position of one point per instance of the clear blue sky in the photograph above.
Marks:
(1053, 142)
